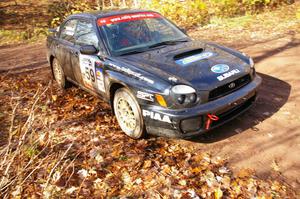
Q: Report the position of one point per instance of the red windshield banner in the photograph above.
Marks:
(127, 17)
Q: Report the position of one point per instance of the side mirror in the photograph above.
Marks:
(88, 50)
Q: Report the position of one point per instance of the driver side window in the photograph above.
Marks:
(85, 34)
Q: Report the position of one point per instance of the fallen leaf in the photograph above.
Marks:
(71, 190)
(182, 182)
(138, 181)
(54, 98)
(147, 164)
(83, 173)
(245, 173)
(275, 166)
(218, 193)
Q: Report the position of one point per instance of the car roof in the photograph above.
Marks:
(107, 12)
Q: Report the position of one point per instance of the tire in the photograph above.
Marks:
(59, 75)
(128, 114)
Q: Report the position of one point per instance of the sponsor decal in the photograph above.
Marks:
(145, 96)
(86, 62)
(130, 72)
(99, 64)
(127, 17)
(92, 78)
(99, 74)
(228, 74)
(157, 116)
(194, 58)
(172, 79)
(220, 68)
(100, 79)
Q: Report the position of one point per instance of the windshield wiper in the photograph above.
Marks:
(168, 42)
(132, 52)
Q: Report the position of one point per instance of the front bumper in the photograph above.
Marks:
(191, 121)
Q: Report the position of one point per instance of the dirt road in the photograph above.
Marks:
(266, 138)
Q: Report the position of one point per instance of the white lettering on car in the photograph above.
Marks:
(157, 116)
(228, 74)
(130, 72)
(145, 96)
(172, 79)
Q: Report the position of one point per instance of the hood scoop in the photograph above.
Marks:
(192, 56)
(188, 54)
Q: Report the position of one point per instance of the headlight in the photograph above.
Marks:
(182, 89)
(184, 95)
(251, 62)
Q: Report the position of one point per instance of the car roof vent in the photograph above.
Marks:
(188, 53)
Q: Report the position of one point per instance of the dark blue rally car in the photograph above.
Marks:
(157, 79)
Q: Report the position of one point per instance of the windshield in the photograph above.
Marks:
(138, 32)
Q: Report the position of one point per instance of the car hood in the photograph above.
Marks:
(190, 63)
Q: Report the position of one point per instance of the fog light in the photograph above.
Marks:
(181, 99)
(193, 98)
(191, 124)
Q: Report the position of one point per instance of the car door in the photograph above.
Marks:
(88, 69)
(65, 45)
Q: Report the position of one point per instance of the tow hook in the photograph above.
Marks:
(210, 119)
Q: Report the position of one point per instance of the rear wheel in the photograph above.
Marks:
(128, 113)
(59, 75)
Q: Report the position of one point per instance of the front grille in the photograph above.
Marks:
(233, 112)
(227, 88)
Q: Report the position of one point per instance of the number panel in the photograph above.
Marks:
(88, 70)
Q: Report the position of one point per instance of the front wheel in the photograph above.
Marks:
(128, 113)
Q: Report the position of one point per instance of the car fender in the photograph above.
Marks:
(117, 79)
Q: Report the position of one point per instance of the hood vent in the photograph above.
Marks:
(188, 54)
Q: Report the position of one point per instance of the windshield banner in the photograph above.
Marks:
(127, 17)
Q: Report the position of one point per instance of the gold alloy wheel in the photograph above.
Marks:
(128, 113)
(125, 115)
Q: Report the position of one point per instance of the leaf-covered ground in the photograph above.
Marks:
(68, 144)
